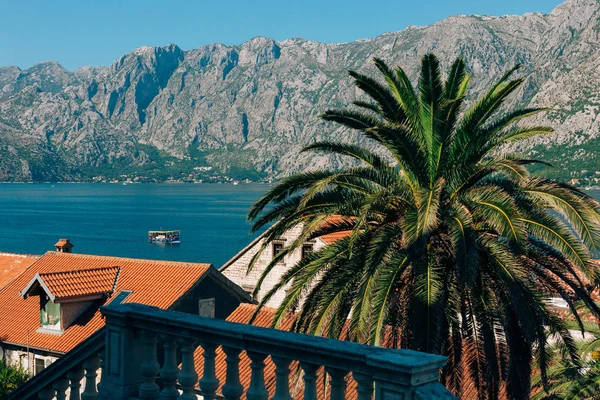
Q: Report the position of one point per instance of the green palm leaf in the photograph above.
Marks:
(451, 244)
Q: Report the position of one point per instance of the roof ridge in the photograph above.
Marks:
(70, 271)
(4, 254)
(263, 308)
(118, 274)
(96, 256)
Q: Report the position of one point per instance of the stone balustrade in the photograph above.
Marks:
(132, 370)
(73, 376)
(147, 353)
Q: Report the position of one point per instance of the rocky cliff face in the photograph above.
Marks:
(255, 105)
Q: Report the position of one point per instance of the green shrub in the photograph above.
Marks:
(10, 378)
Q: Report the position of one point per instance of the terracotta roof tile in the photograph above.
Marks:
(12, 265)
(84, 282)
(331, 238)
(334, 237)
(155, 283)
(242, 315)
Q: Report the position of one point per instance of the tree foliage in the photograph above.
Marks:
(451, 244)
(568, 380)
(10, 378)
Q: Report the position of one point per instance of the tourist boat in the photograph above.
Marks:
(167, 237)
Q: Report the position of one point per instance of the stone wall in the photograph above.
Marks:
(18, 357)
(237, 270)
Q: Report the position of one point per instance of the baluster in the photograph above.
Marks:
(75, 376)
(257, 389)
(188, 376)
(365, 386)
(100, 355)
(61, 386)
(169, 371)
(46, 394)
(338, 383)
(149, 368)
(233, 389)
(282, 376)
(209, 382)
(91, 372)
(310, 380)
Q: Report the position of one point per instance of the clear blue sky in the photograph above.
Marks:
(96, 32)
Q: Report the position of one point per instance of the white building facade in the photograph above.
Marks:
(236, 269)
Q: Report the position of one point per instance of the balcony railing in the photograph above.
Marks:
(75, 374)
(135, 335)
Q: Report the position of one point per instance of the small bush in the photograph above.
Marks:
(10, 378)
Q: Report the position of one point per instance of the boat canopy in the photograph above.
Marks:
(163, 232)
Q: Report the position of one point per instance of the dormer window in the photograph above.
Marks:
(64, 296)
(49, 313)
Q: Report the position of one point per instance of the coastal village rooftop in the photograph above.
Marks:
(85, 310)
(92, 279)
(13, 265)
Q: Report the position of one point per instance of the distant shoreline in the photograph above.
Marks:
(137, 183)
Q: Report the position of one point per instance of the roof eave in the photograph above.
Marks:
(82, 297)
(36, 279)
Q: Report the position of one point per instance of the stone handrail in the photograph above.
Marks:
(131, 367)
(77, 369)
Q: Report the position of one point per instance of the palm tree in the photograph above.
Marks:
(450, 238)
(568, 380)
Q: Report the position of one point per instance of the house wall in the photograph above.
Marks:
(18, 357)
(208, 288)
(70, 311)
(237, 270)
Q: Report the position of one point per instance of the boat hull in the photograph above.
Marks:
(164, 241)
(164, 237)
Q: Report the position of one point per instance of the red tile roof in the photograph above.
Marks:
(85, 282)
(265, 316)
(331, 238)
(12, 265)
(155, 283)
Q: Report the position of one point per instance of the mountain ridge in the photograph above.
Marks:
(163, 112)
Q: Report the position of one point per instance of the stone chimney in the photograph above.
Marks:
(64, 246)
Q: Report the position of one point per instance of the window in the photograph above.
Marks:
(307, 250)
(277, 248)
(40, 364)
(50, 314)
(120, 297)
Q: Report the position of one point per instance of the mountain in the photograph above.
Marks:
(249, 109)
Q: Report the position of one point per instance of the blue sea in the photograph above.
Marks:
(114, 219)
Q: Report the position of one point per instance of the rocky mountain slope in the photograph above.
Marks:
(252, 107)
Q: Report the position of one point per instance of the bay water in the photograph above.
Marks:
(114, 219)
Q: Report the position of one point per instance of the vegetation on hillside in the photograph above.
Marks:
(160, 167)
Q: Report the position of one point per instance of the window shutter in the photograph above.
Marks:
(207, 307)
